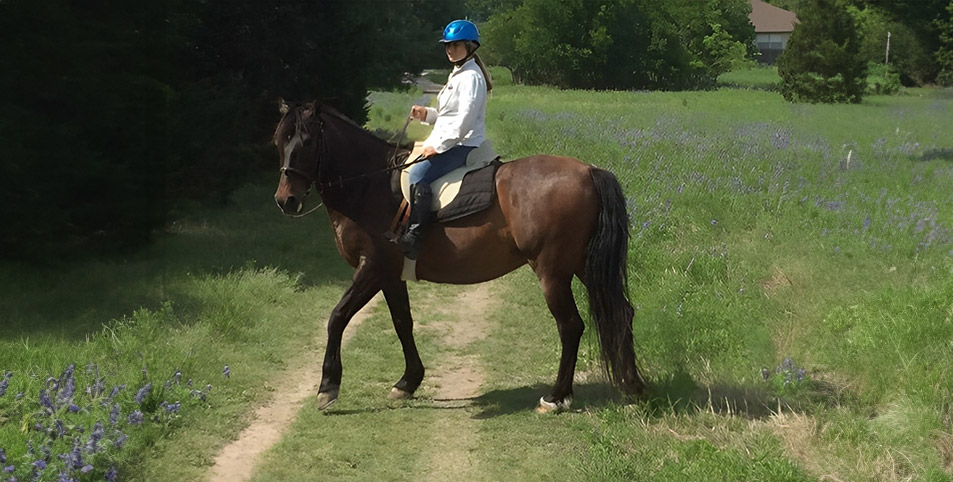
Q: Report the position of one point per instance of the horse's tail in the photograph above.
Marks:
(606, 280)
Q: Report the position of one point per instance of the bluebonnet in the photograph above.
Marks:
(9, 469)
(177, 377)
(143, 393)
(115, 391)
(120, 440)
(227, 372)
(39, 464)
(135, 418)
(3, 456)
(72, 408)
(114, 414)
(68, 384)
(173, 407)
(46, 403)
(111, 475)
(97, 434)
(3, 386)
(60, 428)
(86, 469)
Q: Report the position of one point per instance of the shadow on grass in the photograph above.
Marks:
(70, 299)
(944, 154)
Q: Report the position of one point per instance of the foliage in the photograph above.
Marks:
(909, 58)
(116, 112)
(620, 44)
(882, 79)
(944, 56)
(821, 62)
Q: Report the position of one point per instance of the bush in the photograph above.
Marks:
(882, 79)
(821, 62)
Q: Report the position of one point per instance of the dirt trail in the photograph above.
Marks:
(237, 461)
(455, 379)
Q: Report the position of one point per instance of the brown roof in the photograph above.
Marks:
(768, 18)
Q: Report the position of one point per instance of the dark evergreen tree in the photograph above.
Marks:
(944, 55)
(822, 61)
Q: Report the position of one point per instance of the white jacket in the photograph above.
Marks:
(460, 116)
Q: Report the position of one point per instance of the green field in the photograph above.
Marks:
(790, 266)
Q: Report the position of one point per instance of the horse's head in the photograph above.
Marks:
(298, 139)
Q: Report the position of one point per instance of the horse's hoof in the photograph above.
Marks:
(398, 394)
(326, 399)
(553, 407)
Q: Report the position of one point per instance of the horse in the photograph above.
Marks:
(561, 216)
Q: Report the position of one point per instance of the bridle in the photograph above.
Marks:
(322, 151)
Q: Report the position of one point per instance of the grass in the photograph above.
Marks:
(757, 77)
(194, 302)
(761, 231)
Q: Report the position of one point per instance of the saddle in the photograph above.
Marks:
(466, 190)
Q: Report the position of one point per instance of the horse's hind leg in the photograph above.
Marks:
(366, 284)
(557, 289)
(399, 304)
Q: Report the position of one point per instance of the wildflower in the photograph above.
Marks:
(3, 386)
(227, 372)
(64, 477)
(120, 440)
(94, 438)
(40, 464)
(46, 403)
(800, 374)
(72, 408)
(173, 407)
(86, 469)
(115, 391)
(68, 382)
(143, 393)
(3, 456)
(111, 475)
(177, 377)
(714, 222)
(765, 374)
(114, 414)
(135, 418)
(9, 469)
(189, 383)
(60, 428)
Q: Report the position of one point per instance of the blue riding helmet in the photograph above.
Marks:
(461, 30)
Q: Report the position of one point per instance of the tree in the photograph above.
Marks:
(944, 54)
(619, 44)
(822, 61)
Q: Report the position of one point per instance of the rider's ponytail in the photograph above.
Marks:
(486, 73)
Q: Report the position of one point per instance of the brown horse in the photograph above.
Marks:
(561, 216)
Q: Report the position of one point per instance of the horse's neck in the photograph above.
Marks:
(358, 186)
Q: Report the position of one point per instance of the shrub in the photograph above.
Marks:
(882, 79)
(821, 63)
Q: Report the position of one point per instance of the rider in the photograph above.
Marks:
(459, 125)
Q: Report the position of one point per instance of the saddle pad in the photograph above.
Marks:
(446, 188)
(475, 194)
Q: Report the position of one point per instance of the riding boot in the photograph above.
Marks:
(421, 199)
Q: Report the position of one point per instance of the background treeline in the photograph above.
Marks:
(617, 44)
(115, 112)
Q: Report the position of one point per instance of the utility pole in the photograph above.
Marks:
(887, 58)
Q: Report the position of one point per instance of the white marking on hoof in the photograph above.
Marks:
(326, 399)
(398, 394)
(553, 407)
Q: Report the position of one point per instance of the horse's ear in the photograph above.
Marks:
(283, 106)
(308, 109)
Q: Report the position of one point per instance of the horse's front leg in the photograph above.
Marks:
(399, 303)
(365, 285)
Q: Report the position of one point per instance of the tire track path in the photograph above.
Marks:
(237, 460)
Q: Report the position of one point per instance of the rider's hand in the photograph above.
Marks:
(418, 112)
(428, 152)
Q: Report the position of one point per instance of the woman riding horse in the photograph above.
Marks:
(459, 125)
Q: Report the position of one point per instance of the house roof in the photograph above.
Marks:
(768, 18)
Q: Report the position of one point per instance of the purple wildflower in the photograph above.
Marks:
(177, 377)
(765, 374)
(46, 403)
(9, 469)
(3, 386)
(68, 383)
(3, 456)
(120, 440)
(39, 464)
(143, 393)
(111, 475)
(135, 418)
(115, 391)
(72, 408)
(227, 372)
(86, 469)
(74, 459)
(64, 477)
(189, 383)
(714, 222)
(60, 428)
(173, 407)
(114, 414)
(94, 438)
